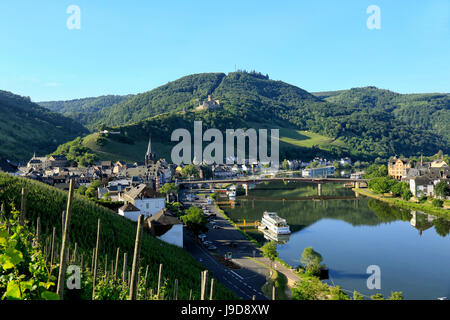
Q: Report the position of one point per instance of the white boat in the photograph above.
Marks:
(232, 193)
(272, 222)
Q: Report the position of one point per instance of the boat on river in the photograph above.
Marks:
(272, 222)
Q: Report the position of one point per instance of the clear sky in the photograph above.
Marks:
(133, 46)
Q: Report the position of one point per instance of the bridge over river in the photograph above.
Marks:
(357, 183)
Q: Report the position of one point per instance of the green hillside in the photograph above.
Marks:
(48, 202)
(27, 128)
(365, 123)
(131, 144)
(82, 110)
(427, 111)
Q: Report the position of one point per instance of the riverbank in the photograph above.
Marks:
(425, 207)
(289, 283)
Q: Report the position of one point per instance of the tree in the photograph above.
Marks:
(269, 250)
(381, 184)
(396, 189)
(195, 220)
(442, 189)
(81, 190)
(406, 195)
(312, 260)
(189, 171)
(376, 171)
(168, 188)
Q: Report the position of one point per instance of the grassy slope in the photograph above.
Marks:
(115, 150)
(116, 231)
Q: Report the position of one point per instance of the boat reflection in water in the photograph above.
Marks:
(278, 238)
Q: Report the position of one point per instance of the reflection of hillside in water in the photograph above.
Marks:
(303, 213)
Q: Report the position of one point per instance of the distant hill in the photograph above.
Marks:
(27, 127)
(365, 123)
(82, 109)
(426, 111)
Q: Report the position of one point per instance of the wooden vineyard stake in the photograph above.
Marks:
(64, 246)
(159, 281)
(95, 259)
(135, 268)
(117, 263)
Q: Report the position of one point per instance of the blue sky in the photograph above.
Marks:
(134, 46)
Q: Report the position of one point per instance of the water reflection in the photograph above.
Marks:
(411, 247)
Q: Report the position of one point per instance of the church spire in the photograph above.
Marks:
(149, 148)
(150, 157)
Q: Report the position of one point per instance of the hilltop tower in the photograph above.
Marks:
(150, 157)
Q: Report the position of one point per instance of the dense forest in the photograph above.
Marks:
(27, 128)
(373, 123)
(365, 123)
(82, 110)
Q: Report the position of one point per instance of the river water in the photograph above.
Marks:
(351, 232)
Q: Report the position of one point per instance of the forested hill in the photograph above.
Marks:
(370, 122)
(26, 128)
(428, 111)
(83, 109)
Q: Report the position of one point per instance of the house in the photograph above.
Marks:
(397, 167)
(357, 175)
(345, 161)
(128, 210)
(421, 185)
(320, 172)
(58, 161)
(147, 200)
(165, 226)
(438, 164)
(38, 163)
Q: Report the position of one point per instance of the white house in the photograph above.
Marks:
(144, 200)
(421, 186)
(166, 226)
(320, 172)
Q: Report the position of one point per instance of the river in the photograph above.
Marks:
(351, 232)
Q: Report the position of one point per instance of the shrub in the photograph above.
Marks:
(438, 203)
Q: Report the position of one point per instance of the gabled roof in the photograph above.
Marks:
(129, 207)
(164, 217)
(143, 191)
(58, 157)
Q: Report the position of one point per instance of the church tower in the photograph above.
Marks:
(150, 157)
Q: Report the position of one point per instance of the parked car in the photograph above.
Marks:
(202, 236)
(212, 248)
(207, 243)
(216, 227)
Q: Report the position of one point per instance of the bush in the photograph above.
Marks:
(438, 203)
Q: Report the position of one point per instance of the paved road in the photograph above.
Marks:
(247, 281)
